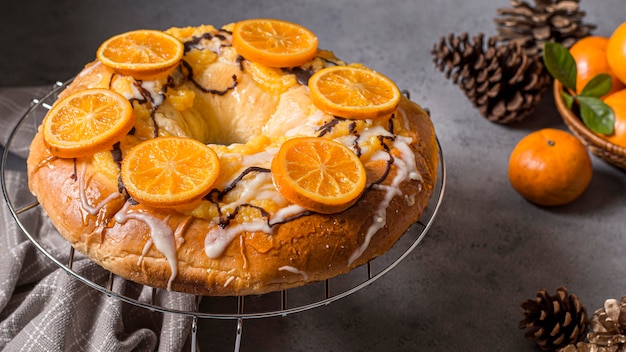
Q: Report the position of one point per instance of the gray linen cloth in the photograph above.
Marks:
(42, 307)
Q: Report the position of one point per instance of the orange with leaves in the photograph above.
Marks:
(590, 54)
(617, 102)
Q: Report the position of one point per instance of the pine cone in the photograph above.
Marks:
(554, 321)
(587, 347)
(549, 20)
(500, 80)
(608, 325)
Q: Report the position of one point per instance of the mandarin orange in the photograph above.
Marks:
(616, 52)
(617, 102)
(591, 60)
(550, 167)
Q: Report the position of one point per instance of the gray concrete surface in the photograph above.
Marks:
(487, 251)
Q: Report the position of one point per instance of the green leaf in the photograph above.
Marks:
(598, 86)
(596, 115)
(568, 99)
(560, 64)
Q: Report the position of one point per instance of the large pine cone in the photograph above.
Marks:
(549, 20)
(555, 321)
(500, 80)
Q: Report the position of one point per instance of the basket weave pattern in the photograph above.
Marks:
(609, 152)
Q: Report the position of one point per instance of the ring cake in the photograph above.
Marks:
(245, 232)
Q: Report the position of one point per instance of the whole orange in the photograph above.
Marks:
(591, 60)
(616, 52)
(617, 101)
(550, 167)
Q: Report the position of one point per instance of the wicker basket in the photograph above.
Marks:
(609, 152)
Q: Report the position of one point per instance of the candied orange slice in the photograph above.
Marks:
(142, 54)
(353, 92)
(274, 43)
(169, 171)
(87, 122)
(318, 174)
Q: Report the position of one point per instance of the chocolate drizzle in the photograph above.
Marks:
(195, 41)
(74, 175)
(357, 146)
(111, 80)
(352, 128)
(328, 126)
(233, 184)
(225, 221)
(390, 161)
(382, 140)
(215, 196)
(291, 218)
(239, 60)
(155, 132)
(116, 153)
(302, 75)
(191, 78)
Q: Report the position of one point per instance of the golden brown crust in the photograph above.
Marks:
(83, 200)
(319, 246)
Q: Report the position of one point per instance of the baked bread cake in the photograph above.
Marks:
(236, 110)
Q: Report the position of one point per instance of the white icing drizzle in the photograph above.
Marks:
(410, 199)
(310, 127)
(409, 167)
(260, 187)
(150, 87)
(228, 281)
(93, 210)
(406, 168)
(218, 238)
(263, 158)
(134, 93)
(284, 213)
(145, 250)
(161, 236)
(291, 269)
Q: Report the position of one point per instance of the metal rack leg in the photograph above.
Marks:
(70, 262)
(194, 333)
(238, 336)
(240, 309)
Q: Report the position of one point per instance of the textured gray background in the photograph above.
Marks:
(488, 250)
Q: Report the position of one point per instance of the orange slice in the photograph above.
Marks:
(274, 43)
(87, 122)
(142, 54)
(318, 174)
(353, 92)
(169, 171)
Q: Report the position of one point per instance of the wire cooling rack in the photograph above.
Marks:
(274, 304)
